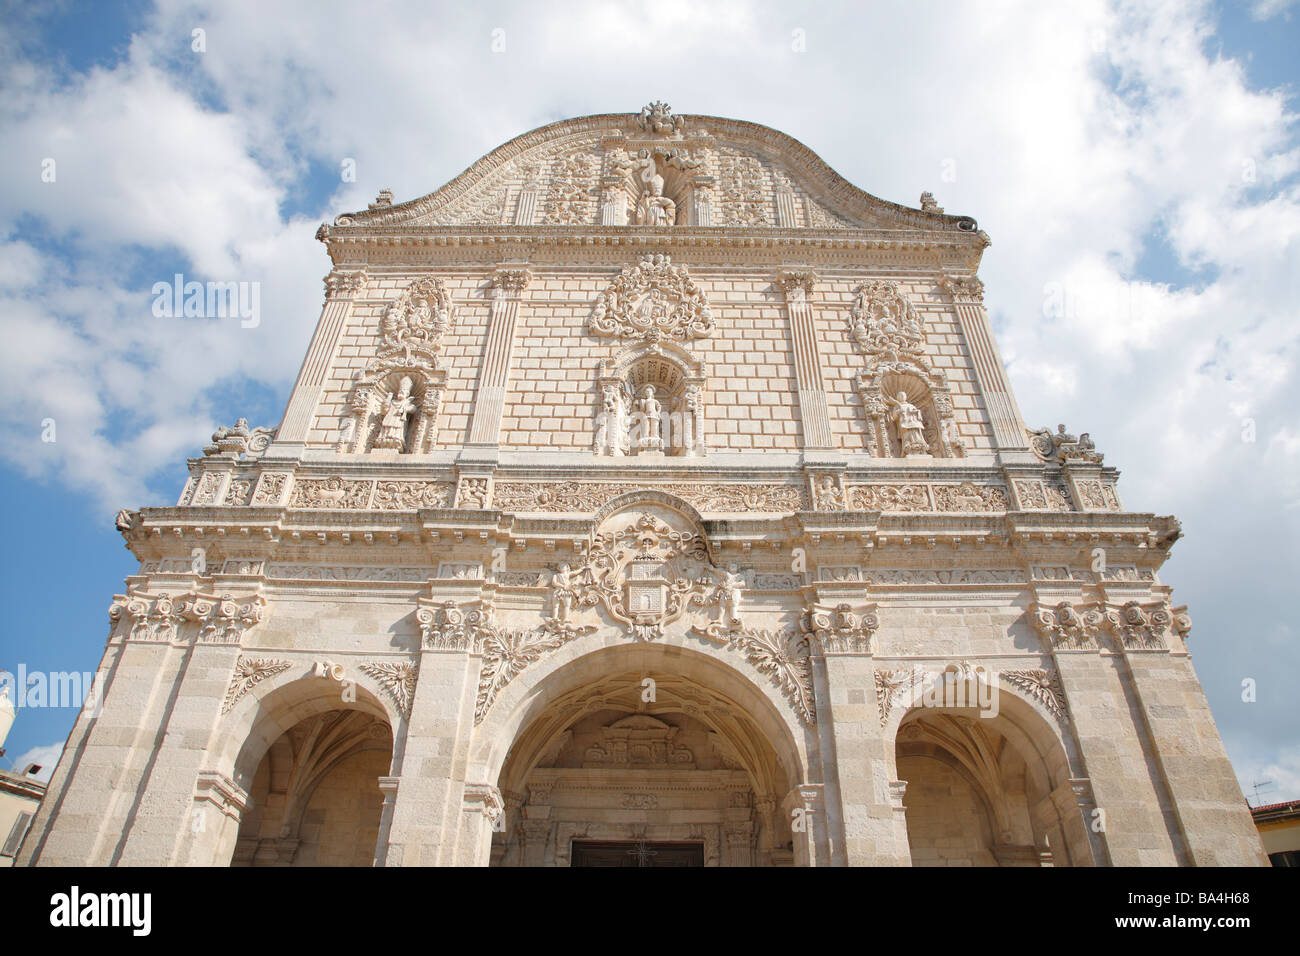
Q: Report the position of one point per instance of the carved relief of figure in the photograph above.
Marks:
(392, 431)
(955, 444)
(828, 495)
(730, 590)
(692, 426)
(611, 423)
(653, 207)
(1062, 437)
(650, 410)
(562, 586)
(911, 426)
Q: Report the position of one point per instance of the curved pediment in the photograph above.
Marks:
(654, 171)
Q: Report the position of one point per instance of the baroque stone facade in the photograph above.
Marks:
(648, 492)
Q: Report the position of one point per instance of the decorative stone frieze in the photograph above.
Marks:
(587, 496)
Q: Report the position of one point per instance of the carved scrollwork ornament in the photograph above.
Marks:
(1060, 447)
(240, 441)
(651, 300)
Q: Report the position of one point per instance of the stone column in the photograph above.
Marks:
(93, 807)
(426, 807)
(1213, 815)
(484, 814)
(874, 828)
(805, 807)
(489, 400)
(813, 411)
(179, 793)
(1134, 818)
(341, 289)
(388, 787)
(1074, 805)
(990, 373)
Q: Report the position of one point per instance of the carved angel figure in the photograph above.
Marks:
(911, 426)
(392, 431)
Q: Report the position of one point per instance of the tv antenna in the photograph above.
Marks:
(1259, 785)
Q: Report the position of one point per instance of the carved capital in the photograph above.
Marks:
(484, 798)
(797, 285)
(510, 283)
(1139, 626)
(1068, 626)
(963, 288)
(840, 631)
(344, 285)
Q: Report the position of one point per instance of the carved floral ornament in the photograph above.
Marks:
(396, 678)
(959, 683)
(650, 300)
(1134, 625)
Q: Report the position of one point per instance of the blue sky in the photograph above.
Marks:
(1142, 157)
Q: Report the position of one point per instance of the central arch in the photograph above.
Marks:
(644, 743)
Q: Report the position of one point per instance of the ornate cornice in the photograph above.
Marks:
(825, 185)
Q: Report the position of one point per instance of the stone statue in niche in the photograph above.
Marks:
(649, 410)
(653, 208)
(911, 426)
(392, 431)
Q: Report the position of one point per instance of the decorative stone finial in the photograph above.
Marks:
(657, 117)
(383, 200)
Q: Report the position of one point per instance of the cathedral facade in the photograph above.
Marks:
(649, 496)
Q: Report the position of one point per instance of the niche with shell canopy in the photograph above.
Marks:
(650, 401)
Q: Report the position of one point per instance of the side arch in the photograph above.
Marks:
(1020, 765)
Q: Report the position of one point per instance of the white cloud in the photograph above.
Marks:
(47, 756)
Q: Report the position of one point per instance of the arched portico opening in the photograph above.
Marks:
(988, 785)
(647, 754)
(310, 754)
